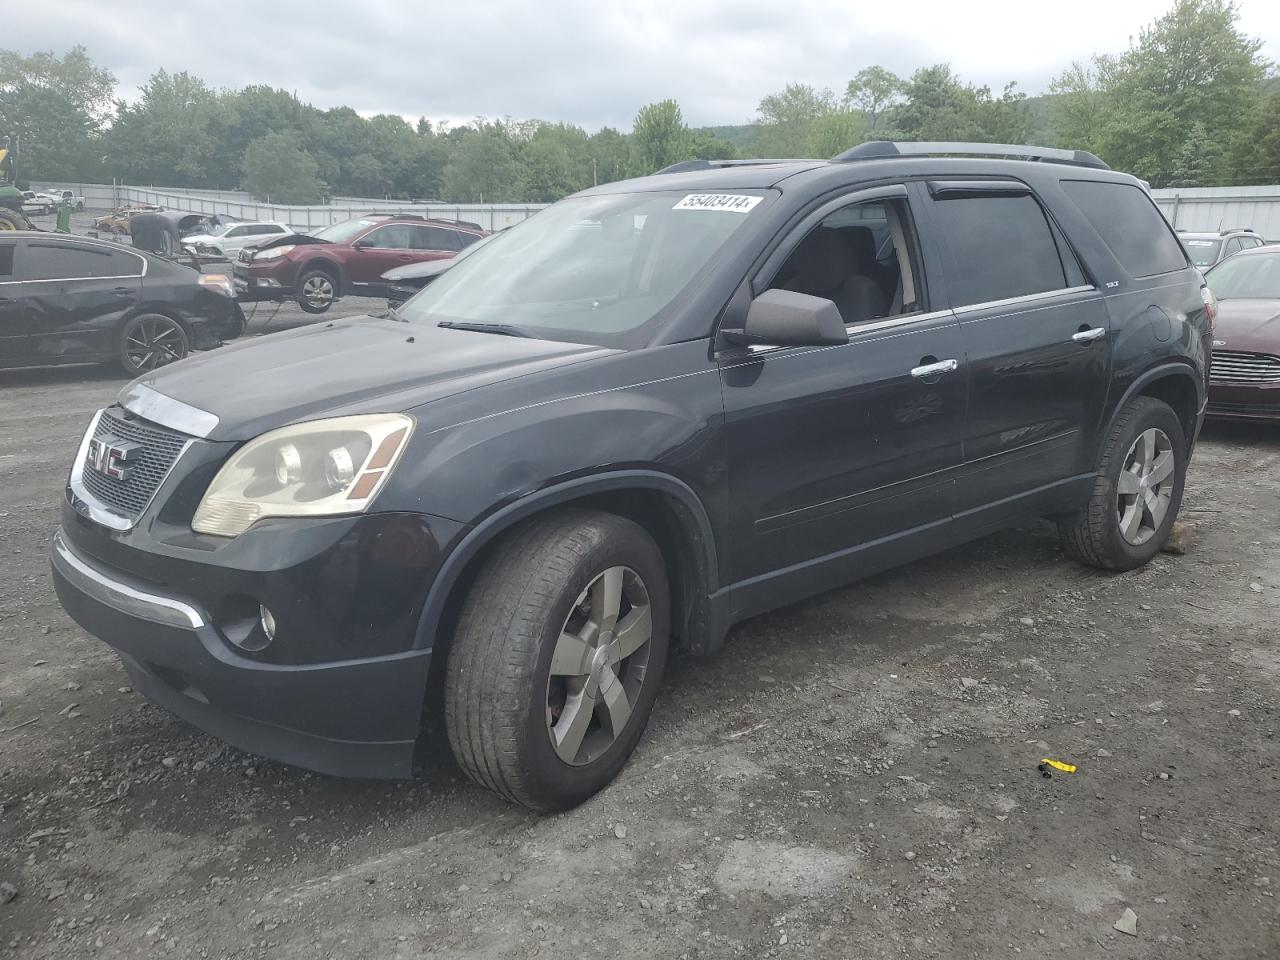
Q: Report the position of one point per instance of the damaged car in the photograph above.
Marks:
(348, 258)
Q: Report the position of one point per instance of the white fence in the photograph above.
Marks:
(1220, 208)
(490, 216)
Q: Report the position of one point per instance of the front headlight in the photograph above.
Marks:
(273, 252)
(324, 468)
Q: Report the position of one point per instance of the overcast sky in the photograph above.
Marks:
(587, 62)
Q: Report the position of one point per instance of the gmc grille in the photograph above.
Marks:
(160, 448)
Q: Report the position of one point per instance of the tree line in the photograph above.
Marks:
(1190, 102)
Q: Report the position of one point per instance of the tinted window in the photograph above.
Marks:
(262, 229)
(6, 260)
(436, 238)
(125, 264)
(64, 261)
(1000, 247)
(238, 232)
(467, 239)
(1129, 223)
(395, 236)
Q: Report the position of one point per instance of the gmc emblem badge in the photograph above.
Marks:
(111, 457)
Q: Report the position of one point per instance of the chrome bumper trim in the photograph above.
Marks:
(151, 404)
(120, 596)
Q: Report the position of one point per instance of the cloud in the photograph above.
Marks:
(581, 61)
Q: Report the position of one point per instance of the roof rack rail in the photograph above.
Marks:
(1225, 230)
(880, 149)
(685, 166)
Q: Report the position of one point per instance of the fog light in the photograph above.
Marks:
(268, 622)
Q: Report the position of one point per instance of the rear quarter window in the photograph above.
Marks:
(1130, 224)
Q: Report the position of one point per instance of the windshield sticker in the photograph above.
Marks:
(730, 202)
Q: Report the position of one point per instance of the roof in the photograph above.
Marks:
(1216, 234)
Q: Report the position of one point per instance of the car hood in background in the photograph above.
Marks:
(1250, 325)
(418, 271)
(360, 365)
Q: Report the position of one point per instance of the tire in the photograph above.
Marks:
(1129, 514)
(512, 690)
(151, 340)
(12, 220)
(317, 289)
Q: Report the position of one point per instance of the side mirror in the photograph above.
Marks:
(364, 244)
(784, 318)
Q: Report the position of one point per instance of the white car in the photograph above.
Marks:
(56, 197)
(33, 202)
(228, 239)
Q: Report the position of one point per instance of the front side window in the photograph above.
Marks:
(395, 236)
(1130, 224)
(860, 258)
(997, 248)
(590, 269)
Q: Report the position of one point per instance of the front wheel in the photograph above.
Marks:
(149, 341)
(1136, 493)
(316, 291)
(557, 658)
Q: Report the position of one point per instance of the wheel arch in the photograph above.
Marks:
(1176, 384)
(665, 506)
(328, 266)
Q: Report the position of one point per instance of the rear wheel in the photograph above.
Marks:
(557, 658)
(1136, 493)
(316, 291)
(151, 340)
(12, 220)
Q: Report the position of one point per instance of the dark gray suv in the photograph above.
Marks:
(653, 410)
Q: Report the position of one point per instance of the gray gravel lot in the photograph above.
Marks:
(854, 777)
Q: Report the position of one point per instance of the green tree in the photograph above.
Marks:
(660, 136)
(167, 137)
(556, 162)
(610, 154)
(785, 120)
(56, 108)
(1139, 110)
(277, 168)
(873, 92)
(484, 166)
(1255, 151)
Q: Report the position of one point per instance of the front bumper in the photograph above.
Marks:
(257, 283)
(1237, 401)
(355, 718)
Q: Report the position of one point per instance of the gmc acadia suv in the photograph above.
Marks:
(346, 258)
(652, 410)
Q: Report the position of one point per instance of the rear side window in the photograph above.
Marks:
(466, 239)
(999, 247)
(6, 260)
(436, 238)
(1129, 223)
(63, 261)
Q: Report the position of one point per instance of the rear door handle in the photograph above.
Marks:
(935, 369)
(122, 291)
(1089, 335)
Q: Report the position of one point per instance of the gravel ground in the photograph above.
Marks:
(855, 776)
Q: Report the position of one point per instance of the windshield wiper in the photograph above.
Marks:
(502, 329)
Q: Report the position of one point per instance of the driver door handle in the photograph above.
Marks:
(935, 369)
(1089, 335)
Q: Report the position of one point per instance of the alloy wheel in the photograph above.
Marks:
(154, 341)
(598, 667)
(1145, 486)
(318, 291)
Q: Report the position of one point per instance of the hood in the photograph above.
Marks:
(206, 238)
(1251, 325)
(297, 239)
(418, 271)
(358, 365)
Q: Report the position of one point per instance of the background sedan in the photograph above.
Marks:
(1244, 379)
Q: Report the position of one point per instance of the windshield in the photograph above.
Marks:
(1255, 277)
(345, 231)
(587, 269)
(1203, 253)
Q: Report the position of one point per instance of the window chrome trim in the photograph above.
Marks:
(119, 595)
(856, 330)
(1028, 298)
(85, 503)
(151, 404)
(99, 245)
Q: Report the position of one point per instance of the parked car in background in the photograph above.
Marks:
(346, 258)
(36, 203)
(403, 282)
(654, 409)
(75, 300)
(1244, 379)
(1207, 249)
(58, 197)
(228, 239)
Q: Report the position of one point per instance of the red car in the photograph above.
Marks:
(346, 258)
(1244, 377)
